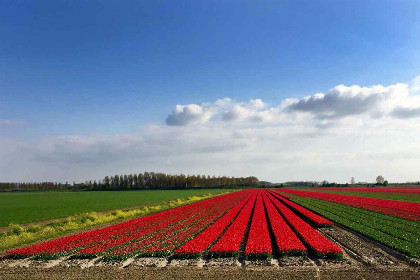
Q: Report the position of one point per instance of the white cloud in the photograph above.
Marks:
(188, 115)
(252, 112)
(222, 110)
(343, 101)
(323, 110)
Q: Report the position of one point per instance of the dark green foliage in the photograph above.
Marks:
(262, 256)
(187, 255)
(147, 180)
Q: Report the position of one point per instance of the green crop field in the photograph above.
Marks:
(29, 207)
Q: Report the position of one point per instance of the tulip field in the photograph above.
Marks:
(254, 224)
(403, 209)
(393, 223)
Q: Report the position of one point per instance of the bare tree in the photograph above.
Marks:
(380, 180)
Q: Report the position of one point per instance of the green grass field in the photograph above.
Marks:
(21, 208)
(384, 195)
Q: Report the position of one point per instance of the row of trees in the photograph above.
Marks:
(146, 180)
(10, 186)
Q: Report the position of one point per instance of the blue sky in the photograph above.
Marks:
(83, 68)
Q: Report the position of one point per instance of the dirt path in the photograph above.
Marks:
(204, 273)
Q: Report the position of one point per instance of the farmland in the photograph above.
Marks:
(392, 223)
(411, 194)
(393, 196)
(27, 207)
(248, 228)
(161, 234)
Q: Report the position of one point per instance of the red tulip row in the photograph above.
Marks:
(311, 216)
(198, 245)
(319, 244)
(230, 242)
(166, 247)
(285, 239)
(282, 195)
(408, 210)
(408, 189)
(258, 244)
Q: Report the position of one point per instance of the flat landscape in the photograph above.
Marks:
(210, 139)
(290, 232)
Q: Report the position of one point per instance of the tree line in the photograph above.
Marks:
(146, 180)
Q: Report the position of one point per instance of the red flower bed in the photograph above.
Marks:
(229, 243)
(408, 190)
(196, 246)
(408, 210)
(281, 194)
(311, 216)
(258, 244)
(322, 246)
(286, 240)
(165, 241)
(157, 233)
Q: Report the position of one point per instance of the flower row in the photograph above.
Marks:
(311, 216)
(408, 210)
(407, 189)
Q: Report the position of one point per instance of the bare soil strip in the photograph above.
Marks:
(111, 272)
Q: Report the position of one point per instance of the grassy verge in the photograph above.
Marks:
(18, 235)
(397, 233)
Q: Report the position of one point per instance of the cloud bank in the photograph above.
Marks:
(340, 102)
